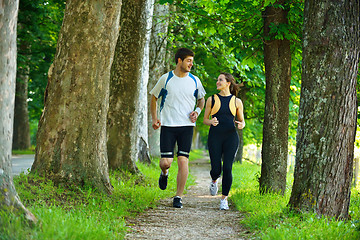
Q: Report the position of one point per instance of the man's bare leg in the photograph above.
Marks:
(183, 172)
(165, 164)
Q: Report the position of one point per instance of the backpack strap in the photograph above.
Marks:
(196, 92)
(192, 76)
(170, 75)
(163, 93)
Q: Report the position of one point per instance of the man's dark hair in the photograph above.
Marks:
(183, 53)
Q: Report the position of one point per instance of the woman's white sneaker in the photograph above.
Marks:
(224, 204)
(213, 188)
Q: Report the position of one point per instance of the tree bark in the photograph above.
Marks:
(143, 145)
(356, 171)
(240, 152)
(71, 140)
(9, 199)
(125, 82)
(277, 58)
(21, 135)
(328, 108)
(157, 66)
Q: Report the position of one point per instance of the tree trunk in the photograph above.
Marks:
(356, 171)
(240, 152)
(71, 140)
(21, 135)
(125, 83)
(10, 201)
(142, 113)
(157, 66)
(277, 58)
(196, 140)
(328, 108)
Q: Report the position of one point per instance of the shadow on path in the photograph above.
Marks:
(200, 218)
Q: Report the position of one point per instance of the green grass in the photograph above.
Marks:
(196, 154)
(75, 213)
(267, 217)
(22, 152)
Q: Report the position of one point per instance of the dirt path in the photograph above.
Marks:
(200, 218)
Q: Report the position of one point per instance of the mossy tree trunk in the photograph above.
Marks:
(157, 66)
(122, 122)
(21, 136)
(277, 58)
(328, 108)
(9, 199)
(71, 140)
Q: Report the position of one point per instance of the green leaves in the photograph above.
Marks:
(166, 1)
(228, 36)
(39, 23)
(249, 62)
(269, 2)
(281, 31)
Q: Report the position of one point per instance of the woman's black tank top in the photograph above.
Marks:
(224, 115)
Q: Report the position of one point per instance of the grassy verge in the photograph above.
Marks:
(268, 218)
(77, 213)
(23, 152)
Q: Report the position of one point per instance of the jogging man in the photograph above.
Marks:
(182, 99)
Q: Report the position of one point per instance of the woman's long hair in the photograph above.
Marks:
(234, 87)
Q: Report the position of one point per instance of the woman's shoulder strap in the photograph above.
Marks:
(212, 101)
(215, 104)
(232, 105)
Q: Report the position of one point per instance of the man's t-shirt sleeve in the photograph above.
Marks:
(159, 85)
(201, 89)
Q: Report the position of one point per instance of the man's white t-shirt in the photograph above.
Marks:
(180, 100)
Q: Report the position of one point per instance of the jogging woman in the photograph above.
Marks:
(220, 112)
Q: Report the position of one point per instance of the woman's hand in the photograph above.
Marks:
(240, 125)
(214, 121)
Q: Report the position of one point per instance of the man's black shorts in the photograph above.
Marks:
(170, 135)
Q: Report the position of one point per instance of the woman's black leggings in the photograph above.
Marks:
(223, 144)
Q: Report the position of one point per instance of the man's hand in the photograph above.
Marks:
(156, 124)
(193, 116)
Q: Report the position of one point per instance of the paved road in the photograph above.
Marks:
(21, 163)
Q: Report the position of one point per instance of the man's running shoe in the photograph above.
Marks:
(163, 179)
(224, 204)
(177, 203)
(213, 188)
